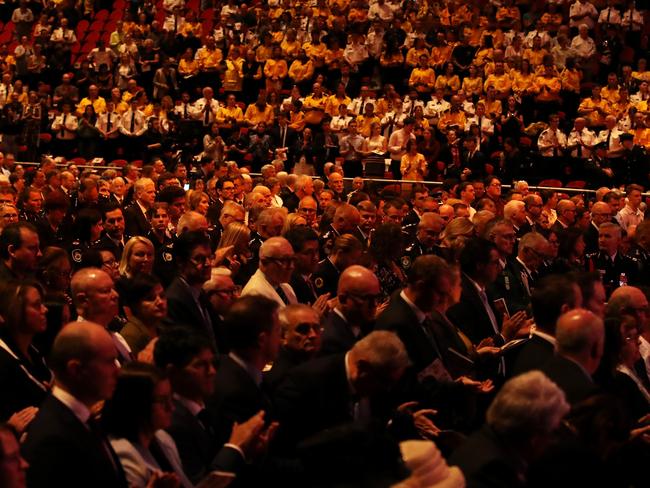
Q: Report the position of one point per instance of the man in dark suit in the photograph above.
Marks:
(301, 341)
(136, 215)
(186, 303)
(353, 318)
(516, 282)
(199, 436)
(253, 331)
(19, 251)
(474, 315)
(520, 420)
(346, 251)
(580, 339)
(283, 137)
(600, 213)
(304, 242)
(566, 216)
(338, 389)
(64, 444)
(554, 296)
(113, 238)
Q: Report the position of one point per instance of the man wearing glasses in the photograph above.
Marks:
(272, 277)
(354, 316)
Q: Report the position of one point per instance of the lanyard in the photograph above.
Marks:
(3, 345)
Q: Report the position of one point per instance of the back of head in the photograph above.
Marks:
(526, 406)
(177, 346)
(578, 332)
(298, 236)
(75, 341)
(128, 412)
(247, 318)
(383, 351)
(187, 242)
(426, 270)
(475, 252)
(12, 236)
(553, 296)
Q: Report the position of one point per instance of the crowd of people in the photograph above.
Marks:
(232, 302)
(531, 90)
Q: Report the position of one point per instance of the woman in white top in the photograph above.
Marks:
(375, 144)
(134, 419)
(213, 144)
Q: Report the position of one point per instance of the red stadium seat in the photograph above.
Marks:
(102, 15)
(551, 182)
(97, 26)
(45, 137)
(580, 184)
(207, 14)
(116, 15)
(110, 26)
(119, 163)
(5, 37)
(92, 37)
(138, 163)
(9, 27)
(79, 161)
(82, 27)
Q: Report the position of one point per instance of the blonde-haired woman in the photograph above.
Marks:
(292, 221)
(198, 201)
(137, 258)
(455, 235)
(236, 235)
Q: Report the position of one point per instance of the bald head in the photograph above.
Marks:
(94, 295)
(601, 212)
(630, 300)
(580, 336)
(357, 280)
(84, 361)
(191, 221)
(274, 247)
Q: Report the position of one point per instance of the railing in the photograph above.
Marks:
(385, 181)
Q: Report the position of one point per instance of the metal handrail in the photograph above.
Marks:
(377, 180)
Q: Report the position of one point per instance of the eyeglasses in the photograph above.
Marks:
(235, 290)
(110, 263)
(304, 327)
(200, 260)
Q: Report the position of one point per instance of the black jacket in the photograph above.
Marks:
(61, 451)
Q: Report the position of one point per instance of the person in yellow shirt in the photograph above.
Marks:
(276, 32)
(297, 116)
(315, 49)
(594, 109)
(365, 121)
(413, 54)
(535, 55)
(334, 56)
(641, 131)
(275, 70)
(290, 45)
(454, 117)
(230, 116)
(610, 91)
(508, 15)
(621, 107)
(500, 81)
(209, 56)
(493, 106)
(440, 52)
(234, 73)
(314, 106)
(188, 66)
(422, 78)
(641, 73)
(265, 50)
(473, 84)
(93, 98)
(548, 98)
(302, 69)
(260, 111)
(523, 80)
(449, 81)
(336, 100)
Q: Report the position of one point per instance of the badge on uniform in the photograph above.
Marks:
(406, 262)
(167, 256)
(76, 255)
(319, 283)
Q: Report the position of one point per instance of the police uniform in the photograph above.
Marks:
(634, 164)
(415, 250)
(327, 239)
(77, 250)
(31, 217)
(642, 258)
(623, 270)
(326, 278)
(164, 266)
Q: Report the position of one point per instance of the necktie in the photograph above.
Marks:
(555, 153)
(609, 138)
(206, 119)
(489, 311)
(104, 447)
(609, 14)
(579, 147)
(282, 294)
(185, 111)
(284, 136)
(65, 117)
(412, 107)
(205, 419)
(132, 122)
(108, 122)
(480, 127)
(427, 327)
(360, 107)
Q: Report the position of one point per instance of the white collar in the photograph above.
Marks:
(419, 314)
(191, 405)
(79, 410)
(545, 336)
